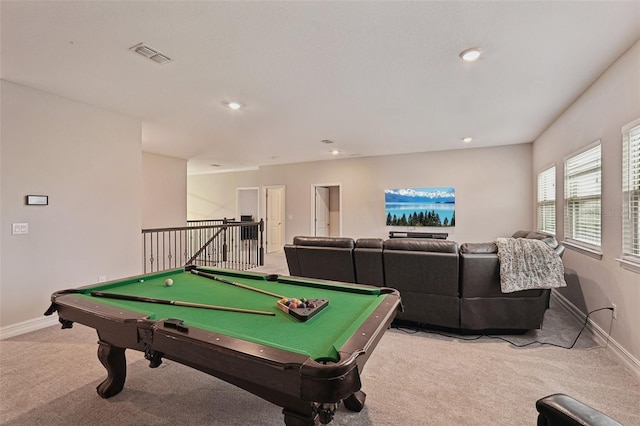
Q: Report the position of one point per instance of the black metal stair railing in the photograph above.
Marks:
(221, 243)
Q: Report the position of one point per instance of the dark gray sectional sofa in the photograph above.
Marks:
(442, 284)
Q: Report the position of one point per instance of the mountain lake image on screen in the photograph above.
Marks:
(420, 206)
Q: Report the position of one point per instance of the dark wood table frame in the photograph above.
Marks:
(308, 391)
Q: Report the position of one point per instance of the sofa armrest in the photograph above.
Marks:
(292, 259)
(549, 239)
(371, 243)
(563, 410)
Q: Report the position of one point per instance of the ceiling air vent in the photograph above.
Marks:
(150, 53)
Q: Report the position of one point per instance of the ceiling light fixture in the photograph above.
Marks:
(234, 105)
(470, 54)
(335, 152)
(327, 141)
(467, 139)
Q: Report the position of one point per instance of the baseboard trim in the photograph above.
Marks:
(601, 335)
(27, 326)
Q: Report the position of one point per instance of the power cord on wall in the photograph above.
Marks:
(586, 320)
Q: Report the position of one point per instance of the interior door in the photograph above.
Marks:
(322, 211)
(275, 218)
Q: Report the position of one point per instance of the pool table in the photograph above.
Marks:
(306, 367)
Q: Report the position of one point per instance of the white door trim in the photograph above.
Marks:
(282, 215)
(312, 225)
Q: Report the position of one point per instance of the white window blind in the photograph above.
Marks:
(547, 200)
(582, 194)
(631, 192)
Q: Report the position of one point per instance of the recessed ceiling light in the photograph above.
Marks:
(467, 139)
(234, 105)
(471, 54)
(335, 152)
(327, 141)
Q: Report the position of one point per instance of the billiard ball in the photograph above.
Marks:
(168, 282)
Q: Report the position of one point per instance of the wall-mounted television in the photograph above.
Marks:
(420, 206)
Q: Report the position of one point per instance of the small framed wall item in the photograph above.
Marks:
(37, 200)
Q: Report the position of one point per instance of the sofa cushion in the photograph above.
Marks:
(479, 248)
(342, 242)
(480, 277)
(328, 258)
(376, 243)
(421, 266)
(419, 245)
(367, 257)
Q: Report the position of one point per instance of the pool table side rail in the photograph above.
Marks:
(354, 353)
(116, 326)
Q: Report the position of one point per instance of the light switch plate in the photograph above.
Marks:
(19, 228)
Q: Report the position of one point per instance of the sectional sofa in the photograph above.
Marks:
(442, 284)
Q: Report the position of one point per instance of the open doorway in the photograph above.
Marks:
(274, 218)
(326, 210)
(248, 204)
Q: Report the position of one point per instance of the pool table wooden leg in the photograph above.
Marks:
(294, 419)
(297, 419)
(113, 359)
(355, 402)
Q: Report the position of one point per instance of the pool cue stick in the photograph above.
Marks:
(222, 280)
(177, 303)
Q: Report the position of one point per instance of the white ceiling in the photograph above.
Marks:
(377, 78)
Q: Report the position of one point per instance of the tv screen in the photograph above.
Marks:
(420, 206)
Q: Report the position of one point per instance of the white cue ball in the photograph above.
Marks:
(168, 282)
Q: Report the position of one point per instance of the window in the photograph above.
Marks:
(631, 191)
(582, 189)
(547, 200)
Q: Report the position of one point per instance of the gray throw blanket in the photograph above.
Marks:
(528, 264)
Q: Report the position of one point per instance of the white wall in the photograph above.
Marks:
(493, 190)
(213, 196)
(611, 102)
(164, 191)
(87, 161)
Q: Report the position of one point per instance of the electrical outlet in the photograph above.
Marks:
(615, 310)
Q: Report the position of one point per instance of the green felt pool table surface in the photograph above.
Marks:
(320, 337)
